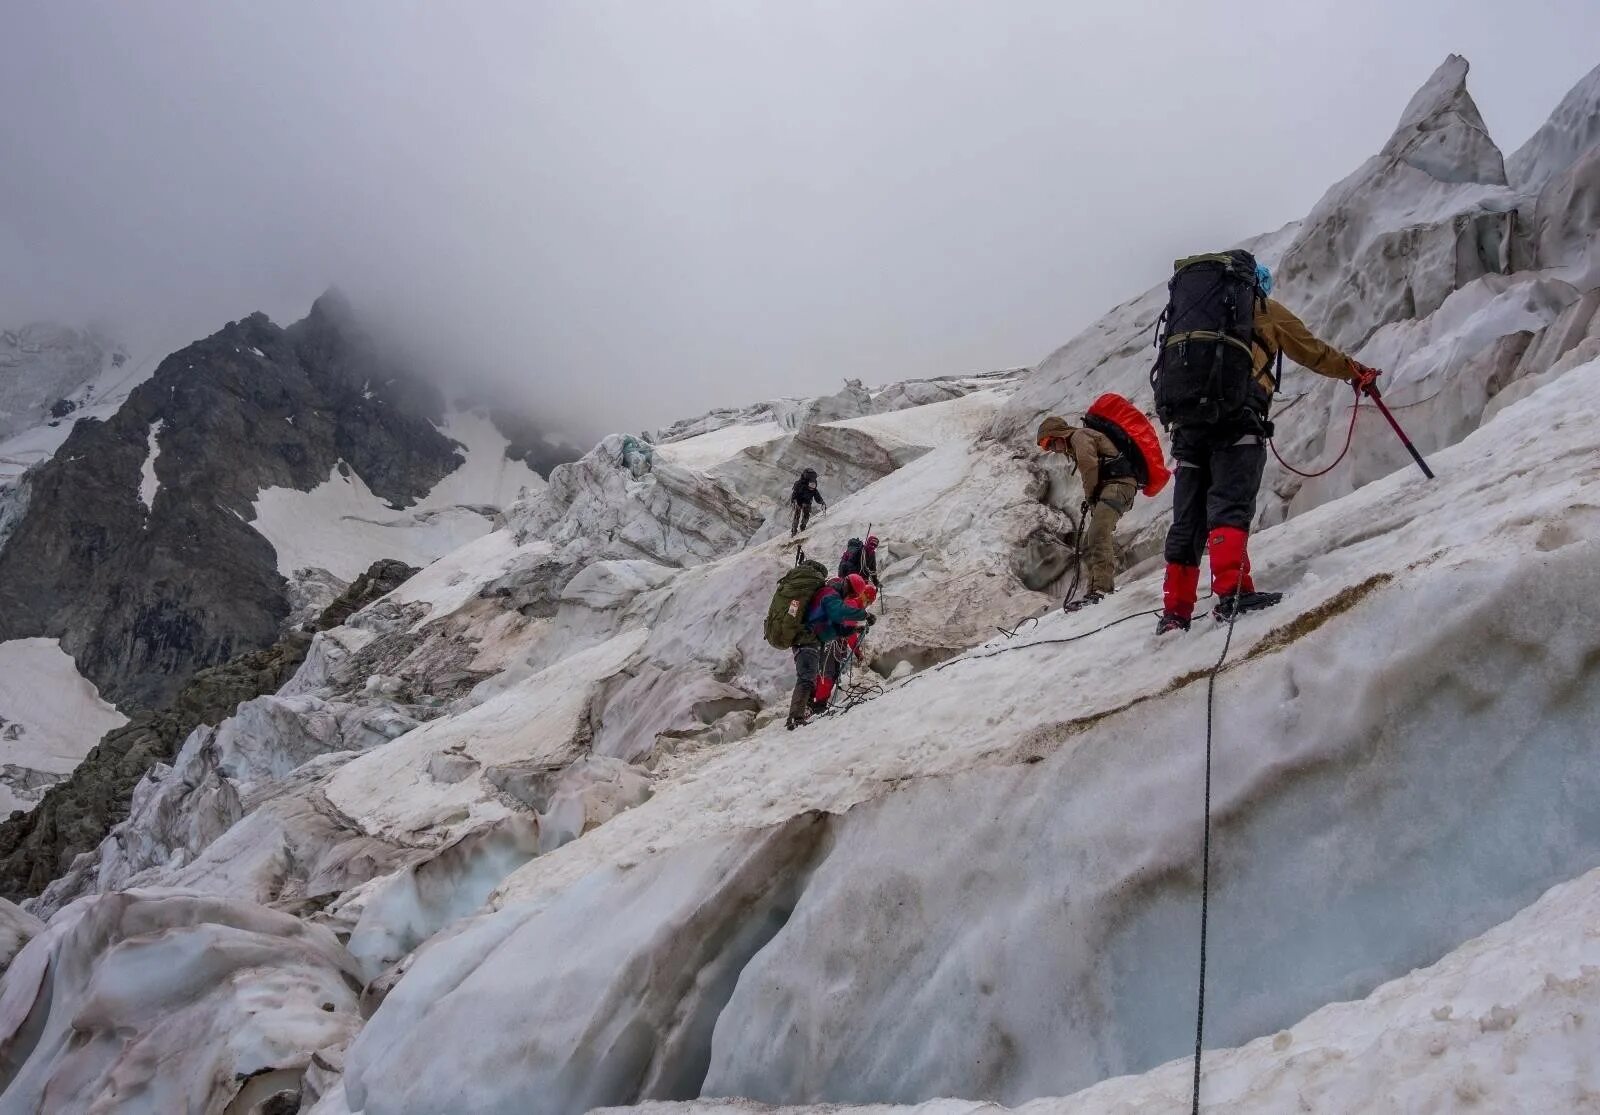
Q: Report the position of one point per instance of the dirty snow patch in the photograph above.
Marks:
(706, 451)
(932, 425)
(342, 526)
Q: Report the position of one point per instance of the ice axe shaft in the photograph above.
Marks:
(1372, 393)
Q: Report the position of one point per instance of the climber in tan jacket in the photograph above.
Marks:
(1277, 330)
(1108, 491)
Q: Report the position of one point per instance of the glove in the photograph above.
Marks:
(871, 619)
(1365, 378)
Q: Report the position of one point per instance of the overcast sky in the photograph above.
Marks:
(635, 210)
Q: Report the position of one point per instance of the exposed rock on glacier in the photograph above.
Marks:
(52, 377)
(1572, 131)
(164, 1002)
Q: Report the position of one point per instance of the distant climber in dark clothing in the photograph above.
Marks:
(861, 557)
(801, 496)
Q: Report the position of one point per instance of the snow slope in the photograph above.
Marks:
(1036, 815)
(341, 526)
(50, 717)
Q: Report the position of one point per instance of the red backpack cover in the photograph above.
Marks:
(1137, 435)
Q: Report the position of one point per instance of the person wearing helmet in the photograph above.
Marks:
(859, 594)
(861, 557)
(1220, 465)
(801, 497)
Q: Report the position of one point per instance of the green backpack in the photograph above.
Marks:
(786, 615)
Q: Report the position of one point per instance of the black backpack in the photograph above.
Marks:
(1129, 461)
(1204, 367)
(853, 558)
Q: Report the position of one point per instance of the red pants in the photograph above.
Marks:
(829, 677)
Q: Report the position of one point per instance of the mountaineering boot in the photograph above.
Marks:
(1089, 598)
(818, 706)
(1230, 607)
(1171, 621)
(792, 723)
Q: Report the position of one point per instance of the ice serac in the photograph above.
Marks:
(1558, 172)
(1426, 215)
(1497, 1025)
(170, 1002)
(1391, 264)
(678, 931)
(1572, 131)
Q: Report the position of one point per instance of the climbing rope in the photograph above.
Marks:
(1077, 554)
(1011, 632)
(1349, 438)
(1205, 853)
(1024, 646)
(1077, 575)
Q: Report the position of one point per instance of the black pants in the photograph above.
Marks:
(802, 518)
(807, 661)
(1215, 484)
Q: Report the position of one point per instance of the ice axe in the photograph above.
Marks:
(1371, 391)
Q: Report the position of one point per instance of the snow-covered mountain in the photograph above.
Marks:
(525, 833)
(160, 514)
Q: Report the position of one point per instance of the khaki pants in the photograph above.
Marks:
(1099, 555)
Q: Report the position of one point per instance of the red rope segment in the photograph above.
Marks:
(1349, 438)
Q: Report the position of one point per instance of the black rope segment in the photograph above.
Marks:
(1205, 854)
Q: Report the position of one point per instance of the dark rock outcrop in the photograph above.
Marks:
(77, 813)
(142, 597)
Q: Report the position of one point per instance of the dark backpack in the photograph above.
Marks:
(1204, 363)
(786, 615)
(853, 559)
